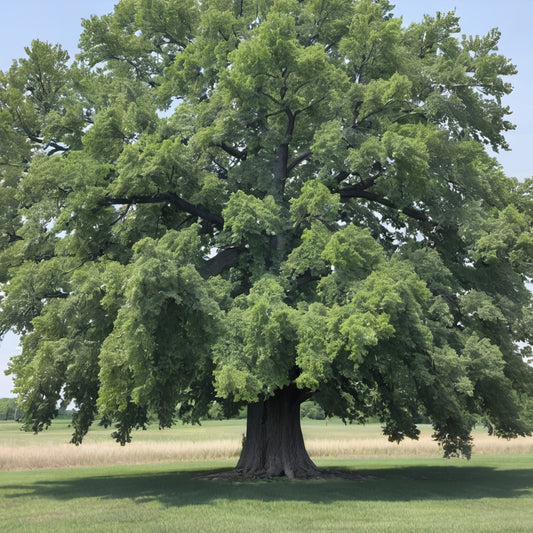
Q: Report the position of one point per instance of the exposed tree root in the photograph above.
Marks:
(319, 473)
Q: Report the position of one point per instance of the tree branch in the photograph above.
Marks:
(305, 278)
(359, 192)
(58, 294)
(56, 147)
(341, 176)
(121, 215)
(309, 106)
(13, 237)
(225, 259)
(299, 159)
(170, 198)
(234, 152)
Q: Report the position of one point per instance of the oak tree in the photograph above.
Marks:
(261, 202)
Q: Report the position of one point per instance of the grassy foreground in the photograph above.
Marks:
(396, 495)
(398, 491)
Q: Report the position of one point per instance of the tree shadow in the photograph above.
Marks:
(179, 488)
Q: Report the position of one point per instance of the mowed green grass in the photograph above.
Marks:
(490, 493)
(395, 495)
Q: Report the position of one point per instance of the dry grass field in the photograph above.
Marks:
(215, 440)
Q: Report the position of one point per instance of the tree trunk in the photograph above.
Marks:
(274, 444)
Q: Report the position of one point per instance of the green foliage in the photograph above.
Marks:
(315, 201)
(219, 200)
(159, 348)
(312, 410)
(247, 216)
(254, 355)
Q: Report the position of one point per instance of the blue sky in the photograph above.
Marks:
(60, 22)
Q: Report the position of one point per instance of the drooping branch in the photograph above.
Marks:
(169, 198)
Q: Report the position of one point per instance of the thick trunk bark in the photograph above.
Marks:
(274, 444)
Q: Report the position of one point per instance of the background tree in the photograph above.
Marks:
(9, 409)
(263, 202)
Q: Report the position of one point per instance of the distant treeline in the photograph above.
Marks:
(10, 410)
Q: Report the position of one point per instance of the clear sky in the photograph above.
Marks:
(60, 22)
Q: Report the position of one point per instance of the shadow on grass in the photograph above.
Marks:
(180, 488)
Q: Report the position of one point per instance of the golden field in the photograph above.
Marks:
(215, 440)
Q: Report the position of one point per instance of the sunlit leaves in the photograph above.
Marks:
(247, 217)
(255, 354)
(315, 202)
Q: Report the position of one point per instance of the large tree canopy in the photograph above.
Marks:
(259, 202)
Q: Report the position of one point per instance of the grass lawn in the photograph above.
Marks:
(490, 493)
